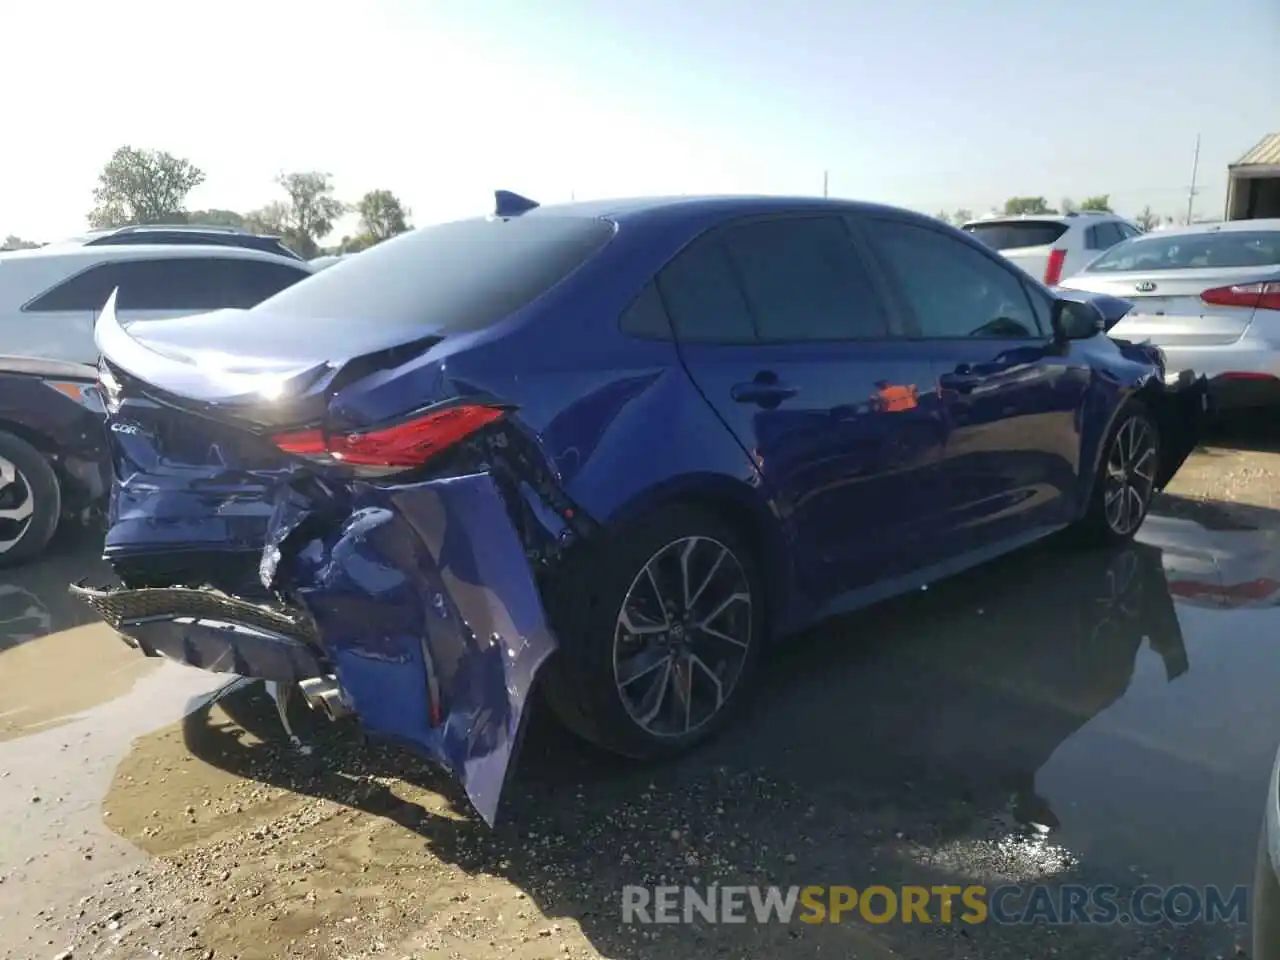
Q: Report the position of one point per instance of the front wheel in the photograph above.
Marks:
(1125, 484)
(660, 628)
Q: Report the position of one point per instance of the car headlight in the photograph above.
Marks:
(85, 394)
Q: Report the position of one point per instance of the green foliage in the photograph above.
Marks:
(382, 215)
(12, 242)
(143, 186)
(1101, 203)
(1016, 206)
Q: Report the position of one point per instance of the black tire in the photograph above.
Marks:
(579, 683)
(34, 483)
(1099, 526)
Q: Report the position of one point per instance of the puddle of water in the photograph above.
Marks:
(1168, 781)
(48, 681)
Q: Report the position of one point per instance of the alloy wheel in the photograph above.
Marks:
(17, 505)
(682, 636)
(1130, 476)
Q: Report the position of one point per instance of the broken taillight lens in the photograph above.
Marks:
(398, 447)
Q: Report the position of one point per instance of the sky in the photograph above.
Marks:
(920, 103)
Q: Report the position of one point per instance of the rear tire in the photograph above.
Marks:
(623, 656)
(1125, 484)
(30, 500)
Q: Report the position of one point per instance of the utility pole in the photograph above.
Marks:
(824, 183)
(1191, 194)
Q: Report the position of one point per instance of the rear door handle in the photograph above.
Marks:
(766, 393)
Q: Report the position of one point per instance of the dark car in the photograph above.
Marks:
(613, 446)
(53, 451)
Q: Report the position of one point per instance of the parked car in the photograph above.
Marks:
(613, 446)
(153, 234)
(1209, 296)
(1266, 880)
(54, 461)
(50, 296)
(1049, 246)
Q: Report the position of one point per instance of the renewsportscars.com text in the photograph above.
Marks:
(1007, 904)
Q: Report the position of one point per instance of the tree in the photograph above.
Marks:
(961, 216)
(1100, 203)
(1069, 205)
(1148, 220)
(12, 242)
(143, 186)
(943, 216)
(1019, 205)
(382, 215)
(307, 215)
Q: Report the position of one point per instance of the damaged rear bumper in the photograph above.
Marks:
(418, 600)
(1183, 407)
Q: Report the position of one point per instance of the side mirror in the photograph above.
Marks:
(1073, 320)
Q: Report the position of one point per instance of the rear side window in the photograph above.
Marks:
(85, 291)
(180, 284)
(702, 296)
(1195, 251)
(1104, 236)
(450, 278)
(804, 281)
(647, 317)
(1021, 233)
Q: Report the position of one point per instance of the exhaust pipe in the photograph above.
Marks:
(324, 694)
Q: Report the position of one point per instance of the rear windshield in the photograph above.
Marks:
(1022, 233)
(451, 278)
(1251, 248)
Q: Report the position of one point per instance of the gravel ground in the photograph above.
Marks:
(884, 752)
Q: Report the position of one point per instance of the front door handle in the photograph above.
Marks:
(766, 390)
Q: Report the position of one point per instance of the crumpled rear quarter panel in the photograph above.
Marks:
(426, 580)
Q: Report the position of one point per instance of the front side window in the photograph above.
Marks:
(952, 289)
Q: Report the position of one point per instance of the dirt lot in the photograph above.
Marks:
(919, 742)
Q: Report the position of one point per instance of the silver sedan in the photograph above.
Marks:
(1208, 296)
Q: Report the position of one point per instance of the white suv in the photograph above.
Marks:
(50, 296)
(1053, 246)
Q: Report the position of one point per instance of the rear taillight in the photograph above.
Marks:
(399, 447)
(1053, 269)
(1258, 296)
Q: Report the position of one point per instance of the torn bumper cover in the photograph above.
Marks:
(1184, 408)
(418, 597)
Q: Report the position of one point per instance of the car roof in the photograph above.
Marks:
(1225, 226)
(1082, 216)
(709, 207)
(144, 251)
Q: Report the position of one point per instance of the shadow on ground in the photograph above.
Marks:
(899, 745)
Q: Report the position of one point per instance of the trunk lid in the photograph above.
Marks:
(1167, 308)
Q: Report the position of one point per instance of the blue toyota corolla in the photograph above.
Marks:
(615, 447)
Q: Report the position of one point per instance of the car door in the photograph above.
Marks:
(1012, 396)
(783, 329)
